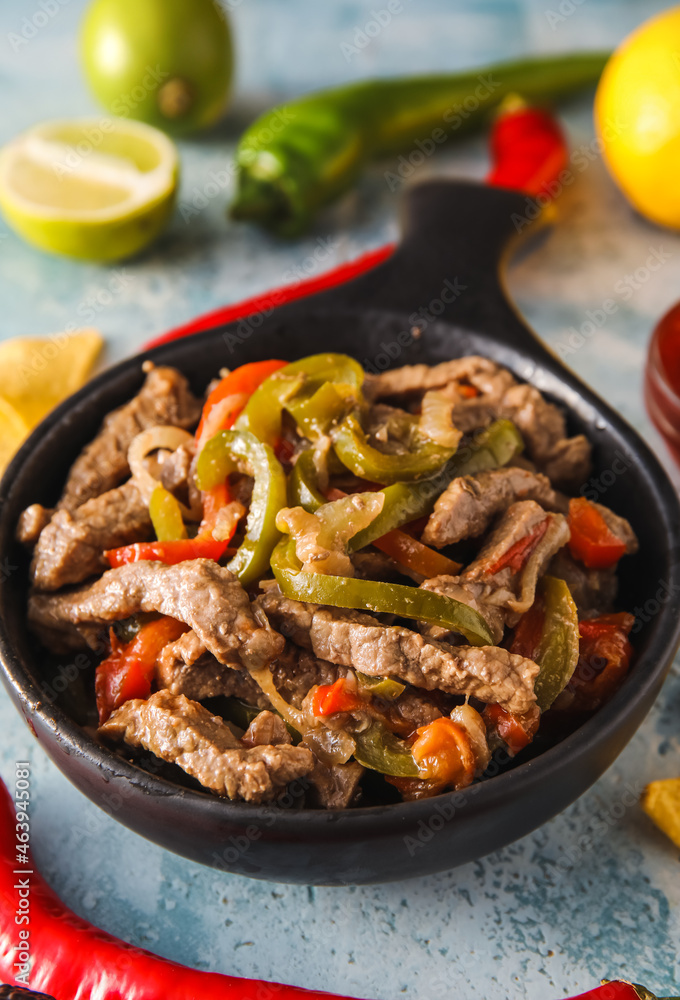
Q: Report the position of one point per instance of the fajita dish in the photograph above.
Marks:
(370, 584)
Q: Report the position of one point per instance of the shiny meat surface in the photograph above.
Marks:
(198, 592)
(185, 733)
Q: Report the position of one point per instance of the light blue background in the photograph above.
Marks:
(504, 926)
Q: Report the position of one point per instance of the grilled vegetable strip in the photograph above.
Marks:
(549, 634)
(232, 451)
(127, 671)
(263, 414)
(366, 462)
(166, 516)
(230, 396)
(592, 540)
(380, 750)
(321, 538)
(345, 592)
(169, 553)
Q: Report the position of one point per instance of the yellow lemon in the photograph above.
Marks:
(100, 189)
(637, 116)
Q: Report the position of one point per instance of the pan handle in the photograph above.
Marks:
(448, 265)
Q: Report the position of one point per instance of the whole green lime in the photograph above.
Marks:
(166, 62)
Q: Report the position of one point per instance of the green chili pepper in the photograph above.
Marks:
(240, 451)
(382, 687)
(166, 516)
(366, 462)
(263, 413)
(299, 156)
(380, 750)
(558, 650)
(394, 598)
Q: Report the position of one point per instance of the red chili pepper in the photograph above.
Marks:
(234, 390)
(592, 541)
(529, 152)
(168, 552)
(71, 959)
(529, 630)
(338, 697)
(518, 554)
(127, 671)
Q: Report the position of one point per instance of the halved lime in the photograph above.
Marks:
(95, 188)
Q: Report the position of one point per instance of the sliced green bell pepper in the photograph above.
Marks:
(263, 413)
(166, 516)
(380, 750)
(240, 451)
(558, 649)
(391, 598)
(367, 462)
(303, 490)
(381, 687)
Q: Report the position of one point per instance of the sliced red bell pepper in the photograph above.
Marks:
(416, 556)
(604, 657)
(238, 386)
(338, 697)
(201, 547)
(127, 671)
(592, 541)
(516, 731)
(518, 554)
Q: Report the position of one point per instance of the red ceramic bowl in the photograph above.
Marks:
(662, 379)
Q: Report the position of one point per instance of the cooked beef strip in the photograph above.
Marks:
(205, 596)
(186, 667)
(298, 670)
(620, 527)
(566, 461)
(503, 596)
(185, 733)
(31, 523)
(508, 589)
(165, 398)
(357, 640)
(468, 505)
(335, 786)
(593, 590)
(474, 595)
(72, 545)
(266, 730)
(419, 378)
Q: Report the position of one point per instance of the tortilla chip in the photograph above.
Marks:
(661, 801)
(13, 431)
(37, 373)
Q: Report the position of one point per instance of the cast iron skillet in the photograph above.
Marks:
(448, 266)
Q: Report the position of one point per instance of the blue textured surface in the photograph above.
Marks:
(553, 913)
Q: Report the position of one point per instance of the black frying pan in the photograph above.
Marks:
(455, 238)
